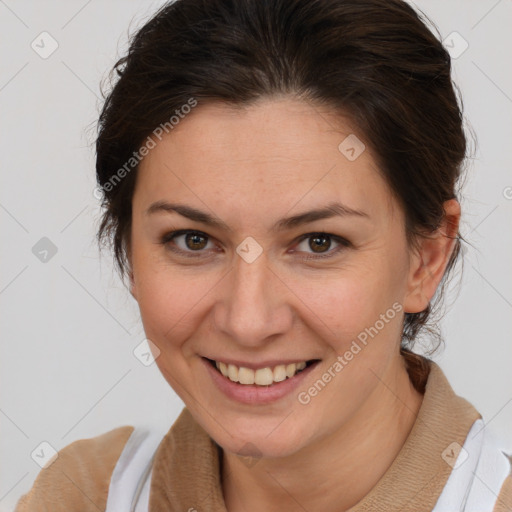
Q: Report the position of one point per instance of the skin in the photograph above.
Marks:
(251, 167)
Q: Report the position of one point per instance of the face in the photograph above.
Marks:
(227, 279)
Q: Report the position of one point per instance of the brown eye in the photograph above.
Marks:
(320, 244)
(186, 242)
(195, 241)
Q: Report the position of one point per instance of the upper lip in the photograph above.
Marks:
(270, 363)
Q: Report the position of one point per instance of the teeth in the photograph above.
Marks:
(245, 375)
(263, 377)
(260, 377)
(223, 369)
(279, 373)
(290, 369)
(233, 373)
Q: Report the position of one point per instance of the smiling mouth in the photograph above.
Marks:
(262, 376)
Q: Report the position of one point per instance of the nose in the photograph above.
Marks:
(254, 305)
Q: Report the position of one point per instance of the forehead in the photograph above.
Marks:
(275, 152)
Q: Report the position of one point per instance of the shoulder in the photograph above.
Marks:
(494, 470)
(487, 459)
(78, 477)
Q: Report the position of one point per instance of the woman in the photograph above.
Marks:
(279, 182)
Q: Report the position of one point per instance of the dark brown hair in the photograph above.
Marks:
(373, 61)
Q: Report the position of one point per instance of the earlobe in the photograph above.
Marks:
(429, 262)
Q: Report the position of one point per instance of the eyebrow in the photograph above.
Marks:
(333, 209)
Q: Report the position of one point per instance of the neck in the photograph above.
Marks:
(314, 479)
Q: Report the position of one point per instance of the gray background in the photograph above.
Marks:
(69, 327)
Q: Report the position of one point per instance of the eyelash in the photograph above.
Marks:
(169, 237)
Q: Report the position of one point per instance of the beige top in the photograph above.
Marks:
(186, 466)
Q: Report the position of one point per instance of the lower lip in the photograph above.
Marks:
(254, 394)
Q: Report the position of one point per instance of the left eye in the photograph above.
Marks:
(320, 243)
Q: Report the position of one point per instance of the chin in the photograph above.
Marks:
(258, 448)
(252, 440)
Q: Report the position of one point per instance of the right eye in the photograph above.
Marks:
(186, 242)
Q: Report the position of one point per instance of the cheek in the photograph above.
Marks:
(172, 300)
(359, 316)
(347, 305)
(166, 305)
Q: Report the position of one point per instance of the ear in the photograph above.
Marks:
(428, 263)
